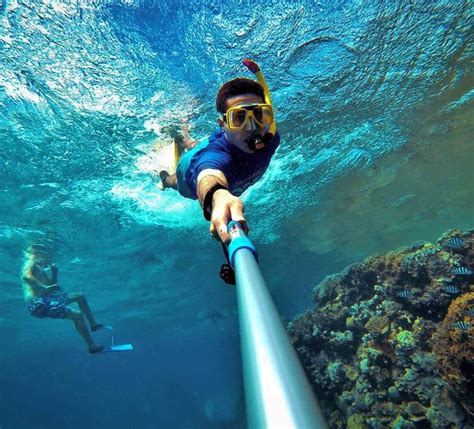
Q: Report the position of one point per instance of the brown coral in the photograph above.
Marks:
(455, 350)
(378, 326)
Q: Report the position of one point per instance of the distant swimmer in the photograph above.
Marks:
(45, 298)
(218, 169)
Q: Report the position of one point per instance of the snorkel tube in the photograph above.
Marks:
(256, 142)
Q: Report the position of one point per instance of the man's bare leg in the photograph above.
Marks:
(85, 309)
(184, 141)
(168, 180)
(78, 318)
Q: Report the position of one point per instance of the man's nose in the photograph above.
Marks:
(251, 125)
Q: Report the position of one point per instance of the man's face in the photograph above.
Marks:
(41, 259)
(251, 128)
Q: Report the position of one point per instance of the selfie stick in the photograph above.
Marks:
(277, 392)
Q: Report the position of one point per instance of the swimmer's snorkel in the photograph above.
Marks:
(256, 142)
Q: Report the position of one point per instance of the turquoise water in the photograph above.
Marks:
(374, 105)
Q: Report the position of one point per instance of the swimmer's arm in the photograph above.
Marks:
(207, 179)
(32, 281)
(36, 286)
(54, 274)
(225, 206)
(50, 281)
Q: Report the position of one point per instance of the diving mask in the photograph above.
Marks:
(238, 117)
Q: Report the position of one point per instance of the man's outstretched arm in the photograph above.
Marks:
(219, 205)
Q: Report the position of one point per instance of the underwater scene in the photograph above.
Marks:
(351, 163)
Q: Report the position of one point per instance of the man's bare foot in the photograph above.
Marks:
(97, 348)
(163, 176)
(180, 142)
(97, 327)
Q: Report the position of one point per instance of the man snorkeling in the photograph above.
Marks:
(45, 298)
(221, 167)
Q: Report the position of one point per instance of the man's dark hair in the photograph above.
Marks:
(234, 87)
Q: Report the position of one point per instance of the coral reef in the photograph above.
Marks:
(390, 342)
(455, 343)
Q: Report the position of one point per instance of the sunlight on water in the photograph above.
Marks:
(153, 206)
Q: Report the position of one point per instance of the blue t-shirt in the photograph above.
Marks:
(240, 168)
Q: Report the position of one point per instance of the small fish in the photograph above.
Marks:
(462, 271)
(454, 243)
(470, 312)
(460, 324)
(405, 294)
(451, 289)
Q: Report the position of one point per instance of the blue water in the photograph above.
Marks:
(374, 103)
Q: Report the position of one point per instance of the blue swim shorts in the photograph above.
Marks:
(52, 305)
(183, 166)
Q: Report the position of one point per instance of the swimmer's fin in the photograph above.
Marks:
(112, 347)
(176, 152)
(120, 348)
